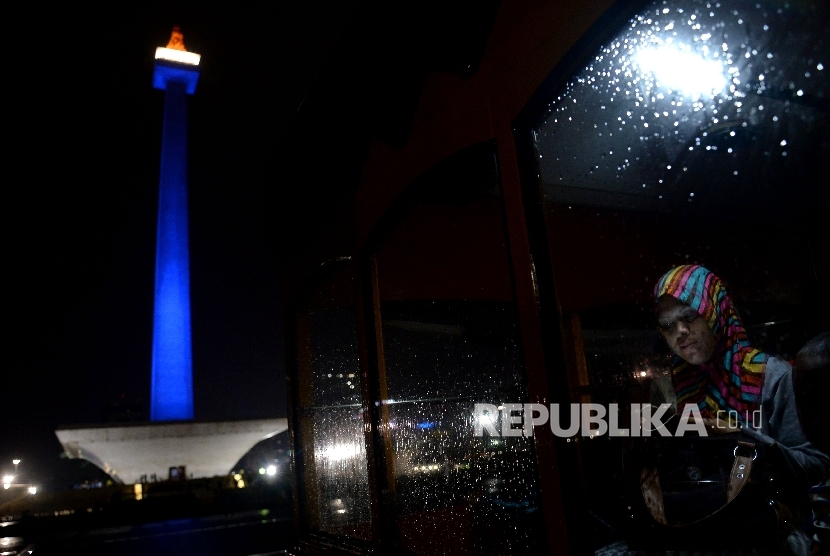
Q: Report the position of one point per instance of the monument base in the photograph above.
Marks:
(128, 452)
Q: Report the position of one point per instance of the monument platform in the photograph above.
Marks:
(126, 452)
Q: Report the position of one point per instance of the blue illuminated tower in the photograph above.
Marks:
(171, 391)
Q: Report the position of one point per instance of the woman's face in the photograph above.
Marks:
(685, 330)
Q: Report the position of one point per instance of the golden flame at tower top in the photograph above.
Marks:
(176, 40)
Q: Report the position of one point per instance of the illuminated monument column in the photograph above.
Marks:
(128, 451)
(176, 73)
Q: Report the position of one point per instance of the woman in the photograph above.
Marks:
(717, 370)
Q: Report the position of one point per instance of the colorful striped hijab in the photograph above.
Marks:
(732, 379)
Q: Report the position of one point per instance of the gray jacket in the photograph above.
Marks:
(780, 426)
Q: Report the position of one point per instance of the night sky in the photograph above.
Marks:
(82, 156)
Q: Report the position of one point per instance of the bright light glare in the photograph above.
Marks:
(15, 461)
(180, 56)
(682, 71)
(487, 419)
(8, 478)
(32, 490)
(340, 452)
(272, 470)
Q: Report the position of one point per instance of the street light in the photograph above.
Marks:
(16, 462)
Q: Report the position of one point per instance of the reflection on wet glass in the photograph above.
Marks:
(341, 474)
(694, 101)
(337, 488)
(441, 358)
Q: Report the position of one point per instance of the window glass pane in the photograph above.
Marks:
(334, 364)
(450, 340)
(446, 349)
(335, 485)
(697, 135)
(339, 480)
(695, 107)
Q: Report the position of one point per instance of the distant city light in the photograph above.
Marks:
(180, 56)
(32, 490)
(272, 470)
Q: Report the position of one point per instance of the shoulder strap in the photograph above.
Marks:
(745, 453)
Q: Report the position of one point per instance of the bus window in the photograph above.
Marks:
(450, 341)
(697, 135)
